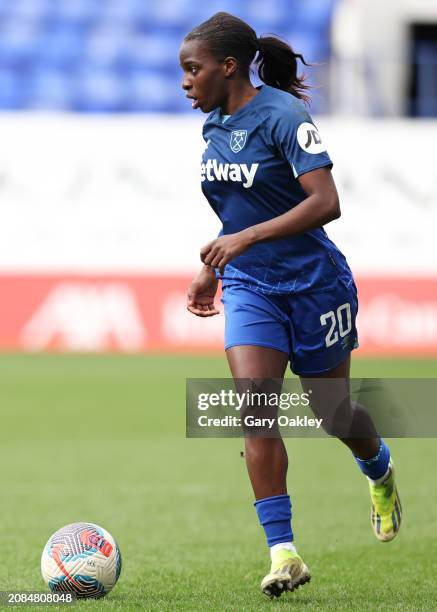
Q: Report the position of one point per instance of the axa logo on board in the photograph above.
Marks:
(218, 171)
(86, 316)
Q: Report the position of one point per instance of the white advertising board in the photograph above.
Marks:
(122, 194)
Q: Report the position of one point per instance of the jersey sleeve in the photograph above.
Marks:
(299, 142)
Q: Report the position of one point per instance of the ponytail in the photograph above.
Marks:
(277, 66)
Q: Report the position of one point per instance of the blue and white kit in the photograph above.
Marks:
(296, 294)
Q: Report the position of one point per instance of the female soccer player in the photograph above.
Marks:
(288, 292)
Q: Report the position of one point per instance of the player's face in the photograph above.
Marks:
(204, 77)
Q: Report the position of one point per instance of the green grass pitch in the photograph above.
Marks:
(102, 439)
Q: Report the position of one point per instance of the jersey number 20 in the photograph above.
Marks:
(343, 312)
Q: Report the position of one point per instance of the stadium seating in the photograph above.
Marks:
(122, 55)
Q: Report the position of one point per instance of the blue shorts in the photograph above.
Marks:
(317, 330)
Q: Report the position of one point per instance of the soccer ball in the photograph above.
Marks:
(81, 558)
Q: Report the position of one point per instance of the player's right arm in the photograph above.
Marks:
(201, 293)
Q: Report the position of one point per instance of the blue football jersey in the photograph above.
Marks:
(249, 173)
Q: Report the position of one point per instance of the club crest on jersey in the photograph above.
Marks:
(238, 140)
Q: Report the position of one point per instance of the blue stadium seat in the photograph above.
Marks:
(83, 13)
(4, 8)
(20, 42)
(51, 90)
(267, 17)
(313, 16)
(151, 91)
(108, 47)
(12, 95)
(172, 14)
(99, 91)
(124, 12)
(154, 51)
(63, 46)
(122, 55)
(29, 10)
(312, 49)
(205, 10)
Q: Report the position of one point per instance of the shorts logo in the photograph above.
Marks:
(309, 139)
(238, 140)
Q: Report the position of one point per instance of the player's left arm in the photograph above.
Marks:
(319, 207)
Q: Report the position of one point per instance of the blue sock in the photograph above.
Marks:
(376, 466)
(274, 515)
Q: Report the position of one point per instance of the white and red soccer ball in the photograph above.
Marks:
(81, 558)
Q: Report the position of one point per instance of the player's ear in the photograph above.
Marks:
(229, 66)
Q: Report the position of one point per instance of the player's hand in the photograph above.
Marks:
(201, 293)
(223, 249)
